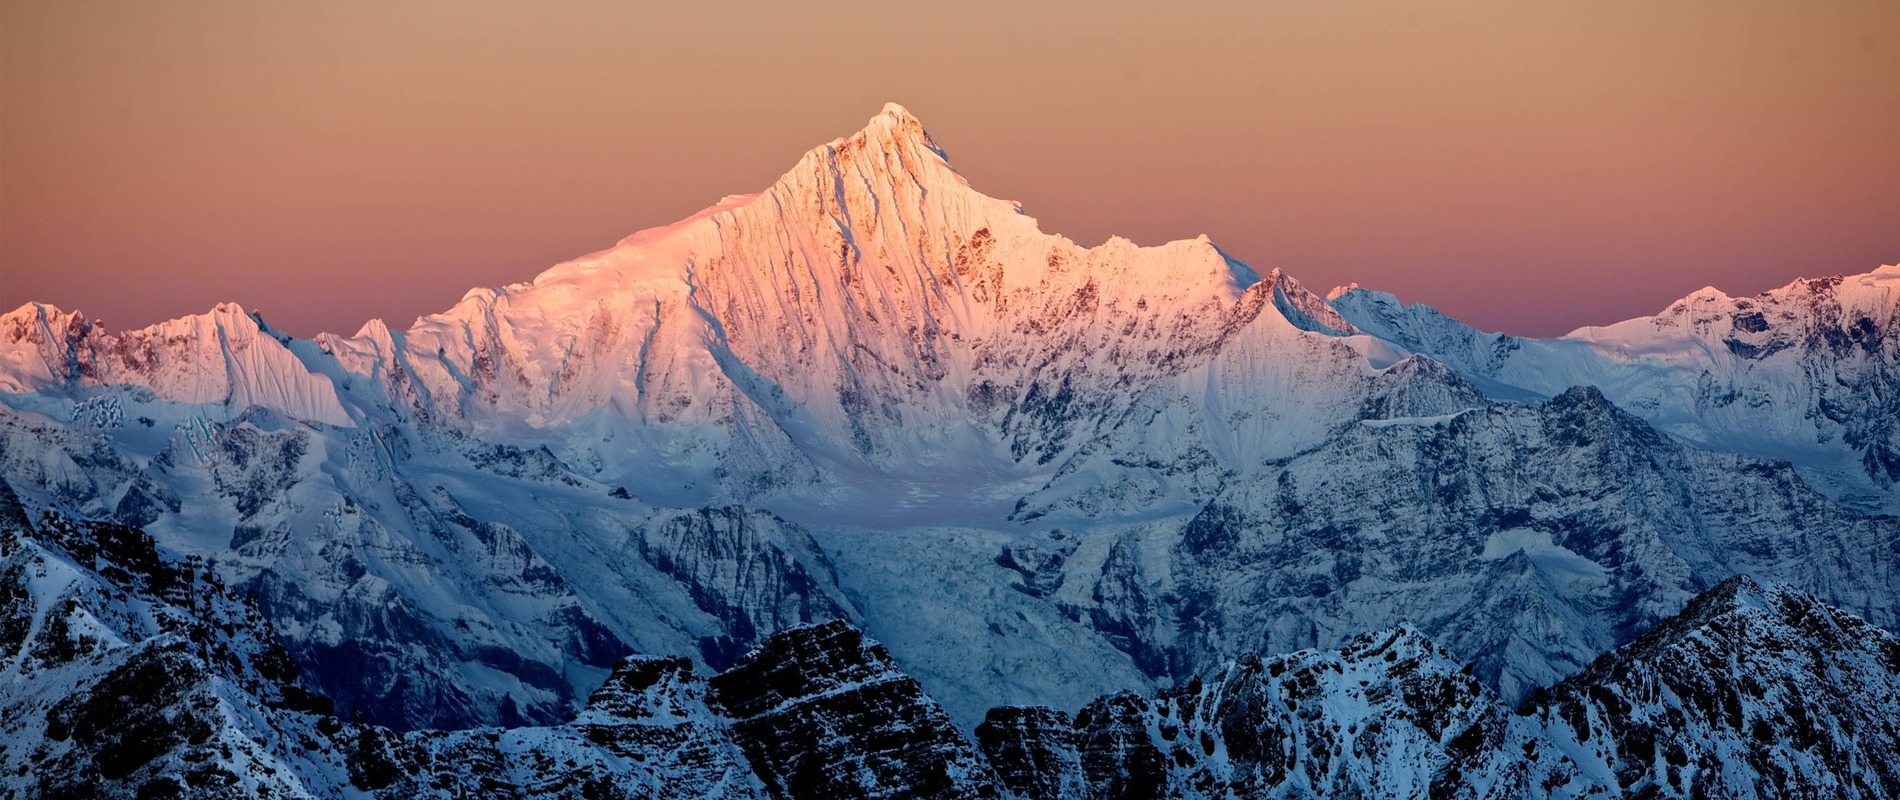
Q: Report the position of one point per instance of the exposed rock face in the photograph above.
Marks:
(1526, 539)
(1804, 372)
(822, 712)
(646, 732)
(1750, 692)
(1379, 718)
(1034, 752)
(1039, 473)
(1119, 756)
(131, 672)
(748, 568)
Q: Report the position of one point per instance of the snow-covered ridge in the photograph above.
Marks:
(222, 357)
(869, 310)
(131, 672)
(871, 313)
(1805, 372)
(870, 393)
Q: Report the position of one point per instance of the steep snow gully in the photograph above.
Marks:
(864, 486)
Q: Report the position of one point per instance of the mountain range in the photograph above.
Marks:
(867, 469)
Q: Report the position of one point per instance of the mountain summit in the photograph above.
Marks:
(869, 310)
(1804, 372)
(1036, 472)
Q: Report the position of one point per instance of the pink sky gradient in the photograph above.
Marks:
(1529, 167)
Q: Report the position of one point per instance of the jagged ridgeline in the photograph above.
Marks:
(871, 404)
(133, 673)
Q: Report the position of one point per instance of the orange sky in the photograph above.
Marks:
(1526, 166)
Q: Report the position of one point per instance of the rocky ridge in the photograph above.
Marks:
(130, 673)
(871, 394)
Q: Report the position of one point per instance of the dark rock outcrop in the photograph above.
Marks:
(820, 711)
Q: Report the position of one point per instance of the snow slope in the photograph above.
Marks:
(128, 671)
(1805, 372)
(870, 393)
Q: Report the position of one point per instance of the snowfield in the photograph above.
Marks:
(1104, 486)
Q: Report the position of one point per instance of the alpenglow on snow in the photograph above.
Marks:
(872, 421)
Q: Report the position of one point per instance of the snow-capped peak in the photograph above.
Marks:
(895, 140)
(871, 272)
(373, 329)
(900, 120)
(34, 313)
(868, 306)
(896, 123)
(223, 356)
(897, 111)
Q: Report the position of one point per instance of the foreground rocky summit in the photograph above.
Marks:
(1750, 692)
(130, 673)
(1120, 492)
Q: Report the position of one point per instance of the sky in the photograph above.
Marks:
(1524, 166)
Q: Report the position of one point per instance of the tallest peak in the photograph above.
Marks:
(896, 121)
(893, 130)
(891, 148)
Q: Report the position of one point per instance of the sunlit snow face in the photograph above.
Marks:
(1531, 168)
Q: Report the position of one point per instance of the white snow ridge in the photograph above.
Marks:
(864, 486)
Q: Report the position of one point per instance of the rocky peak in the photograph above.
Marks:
(801, 663)
(650, 688)
(1033, 750)
(895, 124)
(1581, 415)
(41, 347)
(1741, 695)
(819, 709)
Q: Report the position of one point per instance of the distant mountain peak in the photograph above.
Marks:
(896, 115)
(897, 122)
(896, 109)
(895, 134)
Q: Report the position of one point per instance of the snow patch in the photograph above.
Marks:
(1563, 565)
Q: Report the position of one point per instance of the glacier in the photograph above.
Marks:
(1037, 473)
(133, 672)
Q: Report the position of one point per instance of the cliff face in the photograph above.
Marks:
(822, 712)
(1526, 539)
(1804, 372)
(1751, 691)
(131, 672)
(224, 358)
(1038, 473)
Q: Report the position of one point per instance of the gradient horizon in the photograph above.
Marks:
(1529, 168)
